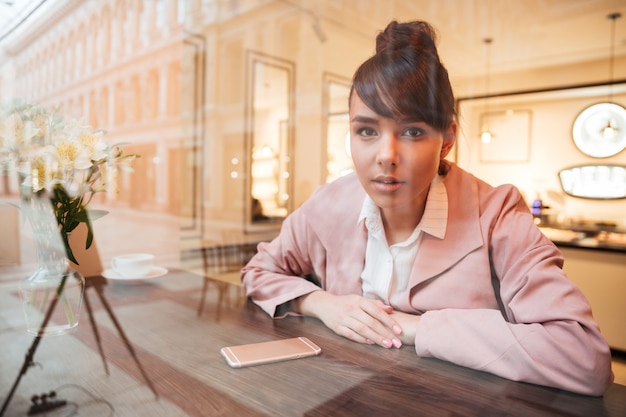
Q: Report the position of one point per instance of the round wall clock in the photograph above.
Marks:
(600, 130)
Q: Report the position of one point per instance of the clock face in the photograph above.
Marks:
(600, 130)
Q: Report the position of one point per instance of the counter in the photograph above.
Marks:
(589, 237)
(596, 262)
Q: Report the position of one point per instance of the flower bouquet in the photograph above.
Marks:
(61, 164)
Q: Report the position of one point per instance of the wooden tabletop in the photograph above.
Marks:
(179, 351)
(354, 379)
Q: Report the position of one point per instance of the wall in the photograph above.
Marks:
(281, 32)
(549, 146)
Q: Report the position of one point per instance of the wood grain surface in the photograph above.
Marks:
(180, 352)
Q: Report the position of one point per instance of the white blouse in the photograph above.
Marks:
(387, 268)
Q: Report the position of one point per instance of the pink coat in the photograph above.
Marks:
(542, 333)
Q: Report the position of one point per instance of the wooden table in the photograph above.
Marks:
(180, 351)
(363, 380)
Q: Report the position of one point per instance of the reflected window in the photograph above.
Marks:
(338, 158)
(270, 110)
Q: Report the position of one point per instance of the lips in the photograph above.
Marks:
(387, 180)
(386, 184)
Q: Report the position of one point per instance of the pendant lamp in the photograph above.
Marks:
(610, 131)
(486, 135)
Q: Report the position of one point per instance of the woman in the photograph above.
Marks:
(413, 250)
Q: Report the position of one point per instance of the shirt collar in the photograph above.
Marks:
(434, 220)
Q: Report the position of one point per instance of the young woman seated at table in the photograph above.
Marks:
(411, 249)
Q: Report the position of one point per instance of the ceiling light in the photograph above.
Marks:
(610, 131)
(486, 135)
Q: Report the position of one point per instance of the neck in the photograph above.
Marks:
(400, 224)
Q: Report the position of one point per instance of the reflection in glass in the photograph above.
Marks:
(270, 138)
(598, 130)
(338, 158)
(594, 181)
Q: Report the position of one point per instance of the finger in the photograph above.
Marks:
(348, 333)
(385, 307)
(382, 313)
(357, 337)
(369, 327)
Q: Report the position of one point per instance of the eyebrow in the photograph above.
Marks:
(364, 119)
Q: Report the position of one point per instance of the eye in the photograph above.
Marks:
(413, 132)
(366, 131)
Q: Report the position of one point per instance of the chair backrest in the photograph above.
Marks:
(215, 260)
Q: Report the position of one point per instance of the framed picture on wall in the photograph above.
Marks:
(510, 136)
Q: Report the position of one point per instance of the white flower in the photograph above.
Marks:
(64, 157)
(50, 151)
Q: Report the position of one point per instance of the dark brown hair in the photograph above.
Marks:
(405, 78)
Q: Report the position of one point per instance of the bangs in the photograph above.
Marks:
(403, 88)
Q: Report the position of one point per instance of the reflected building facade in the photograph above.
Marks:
(238, 108)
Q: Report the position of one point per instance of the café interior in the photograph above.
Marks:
(238, 111)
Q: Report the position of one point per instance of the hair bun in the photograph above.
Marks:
(416, 35)
(405, 79)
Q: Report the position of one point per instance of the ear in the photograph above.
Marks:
(449, 138)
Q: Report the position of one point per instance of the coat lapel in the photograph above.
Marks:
(463, 232)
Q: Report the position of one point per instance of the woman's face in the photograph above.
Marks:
(395, 160)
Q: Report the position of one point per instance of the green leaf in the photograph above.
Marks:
(89, 235)
(68, 249)
(81, 216)
(61, 195)
(96, 214)
(71, 226)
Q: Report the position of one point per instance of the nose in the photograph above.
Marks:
(388, 151)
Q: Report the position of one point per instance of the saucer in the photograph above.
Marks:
(156, 271)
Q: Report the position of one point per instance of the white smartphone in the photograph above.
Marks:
(267, 352)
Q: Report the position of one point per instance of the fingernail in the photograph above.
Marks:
(397, 329)
(369, 341)
(397, 343)
(387, 343)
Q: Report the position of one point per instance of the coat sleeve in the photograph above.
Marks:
(545, 334)
(308, 254)
(277, 273)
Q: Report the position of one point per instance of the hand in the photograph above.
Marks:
(354, 317)
(408, 323)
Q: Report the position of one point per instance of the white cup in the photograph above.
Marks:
(134, 265)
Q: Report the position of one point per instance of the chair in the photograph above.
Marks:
(221, 267)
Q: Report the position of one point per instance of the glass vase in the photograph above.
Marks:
(52, 296)
(52, 300)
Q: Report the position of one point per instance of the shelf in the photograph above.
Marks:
(586, 237)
